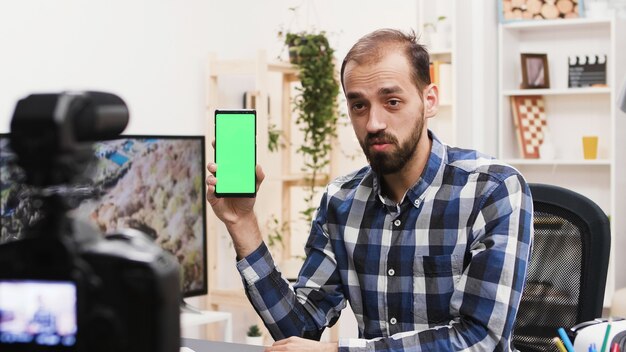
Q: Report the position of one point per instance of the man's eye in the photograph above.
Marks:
(358, 106)
(394, 102)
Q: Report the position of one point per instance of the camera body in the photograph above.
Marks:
(65, 286)
(124, 289)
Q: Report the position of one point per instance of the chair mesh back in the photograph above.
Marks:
(551, 295)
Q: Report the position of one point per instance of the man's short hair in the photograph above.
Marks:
(371, 48)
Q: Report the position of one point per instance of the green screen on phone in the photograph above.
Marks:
(235, 153)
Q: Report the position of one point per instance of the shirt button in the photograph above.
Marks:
(397, 222)
(393, 321)
(417, 203)
(391, 272)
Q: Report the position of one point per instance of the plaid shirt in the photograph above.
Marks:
(443, 270)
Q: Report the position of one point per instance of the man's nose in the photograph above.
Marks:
(376, 120)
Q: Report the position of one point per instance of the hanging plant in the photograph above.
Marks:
(315, 104)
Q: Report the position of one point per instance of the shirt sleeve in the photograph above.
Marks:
(312, 304)
(486, 298)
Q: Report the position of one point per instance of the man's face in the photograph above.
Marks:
(386, 110)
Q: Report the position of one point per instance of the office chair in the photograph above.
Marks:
(567, 269)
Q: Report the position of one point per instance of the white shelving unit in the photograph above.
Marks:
(282, 188)
(571, 113)
(444, 124)
(453, 120)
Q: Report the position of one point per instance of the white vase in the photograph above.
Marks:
(254, 340)
(437, 41)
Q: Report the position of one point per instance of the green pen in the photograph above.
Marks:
(606, 335)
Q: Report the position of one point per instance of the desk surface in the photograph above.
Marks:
(210, 346)
(203, 317)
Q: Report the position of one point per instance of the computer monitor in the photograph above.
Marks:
(151, 183)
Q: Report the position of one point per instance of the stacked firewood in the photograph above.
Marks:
(539, 9)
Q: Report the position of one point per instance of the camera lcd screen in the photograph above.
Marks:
(38, 313)
(235, 153)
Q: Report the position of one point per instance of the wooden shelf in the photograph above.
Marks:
(565, 91)
(247, 67)
(283, 67)
(544, 25)
(558, 162)
(302, 180)
(440, 52)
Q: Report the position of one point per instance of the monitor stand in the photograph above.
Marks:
(188, 308)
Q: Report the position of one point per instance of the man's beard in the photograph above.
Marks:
(388, 163)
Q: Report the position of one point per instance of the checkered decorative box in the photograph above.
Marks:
(530, 122)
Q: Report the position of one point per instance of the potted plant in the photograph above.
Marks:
(315, 104)
(254, 336)
(438, 36)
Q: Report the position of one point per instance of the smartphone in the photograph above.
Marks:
(235, 153)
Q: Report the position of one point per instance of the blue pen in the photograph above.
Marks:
(566, 340)
(592, 348)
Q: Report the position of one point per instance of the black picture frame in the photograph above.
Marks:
(535, 73)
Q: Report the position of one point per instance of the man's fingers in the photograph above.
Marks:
(260, 176)
(210, 181)
(211, 167)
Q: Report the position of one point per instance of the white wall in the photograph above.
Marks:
(152, 53)
(149, 52)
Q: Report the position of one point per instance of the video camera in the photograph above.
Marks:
(65, 286)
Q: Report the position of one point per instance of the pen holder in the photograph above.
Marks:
(593, 332)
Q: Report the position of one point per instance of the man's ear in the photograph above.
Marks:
(431, 100)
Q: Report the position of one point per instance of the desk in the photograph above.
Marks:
(190, 319)
(212, 346)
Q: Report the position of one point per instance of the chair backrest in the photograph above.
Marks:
(567, 269)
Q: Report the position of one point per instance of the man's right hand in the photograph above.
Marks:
(237, 214)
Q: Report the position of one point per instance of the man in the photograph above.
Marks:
(429, 244)
(43, 320)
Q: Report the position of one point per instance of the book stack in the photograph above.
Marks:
(441, 75)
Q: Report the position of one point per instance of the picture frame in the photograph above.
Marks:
(532, 10)
(535, 72)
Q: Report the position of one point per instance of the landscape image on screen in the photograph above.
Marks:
(153, 184)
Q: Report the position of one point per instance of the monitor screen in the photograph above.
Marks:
(151, 183)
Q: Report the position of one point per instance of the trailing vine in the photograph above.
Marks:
(315, 104)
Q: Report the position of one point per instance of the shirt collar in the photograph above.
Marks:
(431, 176)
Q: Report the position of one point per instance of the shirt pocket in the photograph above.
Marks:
(434, 279)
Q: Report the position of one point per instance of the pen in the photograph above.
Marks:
(592, 348)
(606, 336)
(615, 348)
(566, 341)
(559, 344)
